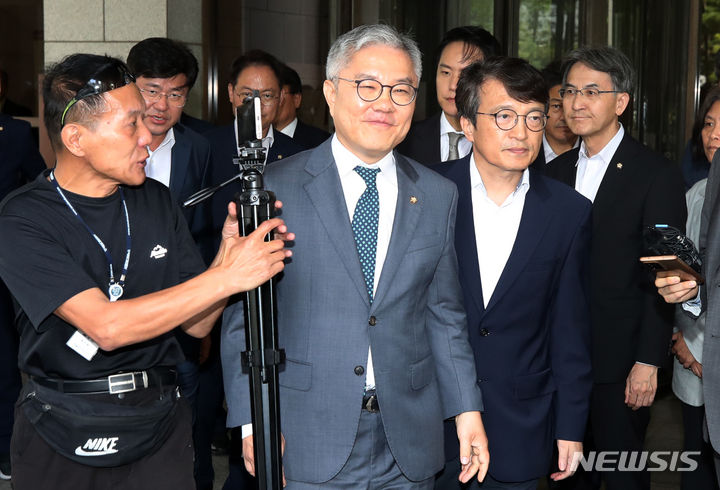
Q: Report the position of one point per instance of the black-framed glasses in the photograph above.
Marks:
(590, 93)
(370, 90)
(174, 99)
(266, 98)
(111, 76)
(507, 119)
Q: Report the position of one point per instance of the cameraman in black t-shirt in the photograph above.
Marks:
(102, 268)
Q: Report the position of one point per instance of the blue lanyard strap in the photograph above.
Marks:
(115, 288)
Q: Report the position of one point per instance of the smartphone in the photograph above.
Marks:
(668, 265)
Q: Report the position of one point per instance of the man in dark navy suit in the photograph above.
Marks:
(165, 71)
(522, 243)
(20, 162)
(440, 138)
(286, 120)
(255, 70)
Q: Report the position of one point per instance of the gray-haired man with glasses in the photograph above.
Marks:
(522, 242)
(371, 319)
(631, 187)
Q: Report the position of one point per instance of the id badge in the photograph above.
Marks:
(83, 345)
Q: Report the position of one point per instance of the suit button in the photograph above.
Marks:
(372, 321)
(359, 370)
(484, 332)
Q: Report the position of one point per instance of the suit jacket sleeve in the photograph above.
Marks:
(447, 328)
(570, 337)
(232, 343)
(665, 203)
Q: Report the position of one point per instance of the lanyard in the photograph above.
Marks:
(115, 289)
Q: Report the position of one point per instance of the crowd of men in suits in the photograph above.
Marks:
(464, 302)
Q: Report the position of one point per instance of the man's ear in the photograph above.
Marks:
(621, 102)
(231, 92)
(330, 92)
(468, 128)
(71, 136)
(297, 99)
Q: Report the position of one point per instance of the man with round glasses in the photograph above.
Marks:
(103, 267)
(371, 320)
(631, 187)
(522, 242)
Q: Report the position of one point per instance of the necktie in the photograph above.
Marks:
(453, 139)
(365, 226)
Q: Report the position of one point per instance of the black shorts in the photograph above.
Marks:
(36, 465)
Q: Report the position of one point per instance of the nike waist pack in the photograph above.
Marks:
(101, 430)
(667, 240)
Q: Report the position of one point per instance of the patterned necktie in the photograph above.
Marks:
(365, 226)
(453, 139)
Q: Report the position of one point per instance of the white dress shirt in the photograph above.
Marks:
(353, 187)
(464, 145)
(591, 170)
(496, 227)
(267, 141)
(158, 164)
(289, 130)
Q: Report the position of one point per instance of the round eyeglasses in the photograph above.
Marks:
(153, 96)
(507, 119)
(370, 90)
(111, 76)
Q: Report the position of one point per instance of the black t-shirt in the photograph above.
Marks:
(47, 256)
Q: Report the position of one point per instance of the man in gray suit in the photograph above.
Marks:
(369, 310)
(695, 300)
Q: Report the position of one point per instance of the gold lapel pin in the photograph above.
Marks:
(1, 128)
(619, 166)
(279, 157)
(413, 200)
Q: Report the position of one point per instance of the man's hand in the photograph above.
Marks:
(673, 289)
(251, 261)
(567, 451)
(696, 368)
(248, 450)
(681, 350)
(474, 455)
(640, 386)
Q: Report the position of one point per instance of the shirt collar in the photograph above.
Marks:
(606, 154)
(346, 161)
(445, 126)
(168, 140)
(477, 182)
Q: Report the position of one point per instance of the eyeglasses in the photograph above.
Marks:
(109, 77)
(177, 100)
(266, 98)
(507, 119)
(370, 90)
(590, 93)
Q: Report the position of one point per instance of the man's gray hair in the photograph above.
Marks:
(607, 60)
(353, 41)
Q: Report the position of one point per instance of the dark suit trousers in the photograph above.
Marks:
(616, 427)
(447, 479)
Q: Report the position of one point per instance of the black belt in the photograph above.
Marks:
(113, 384)
(370, 402)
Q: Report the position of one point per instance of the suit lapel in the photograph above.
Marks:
(325, 193)
(406, 218)
(180, 160)
(616, 174)
(533, 223)
(465, 239)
